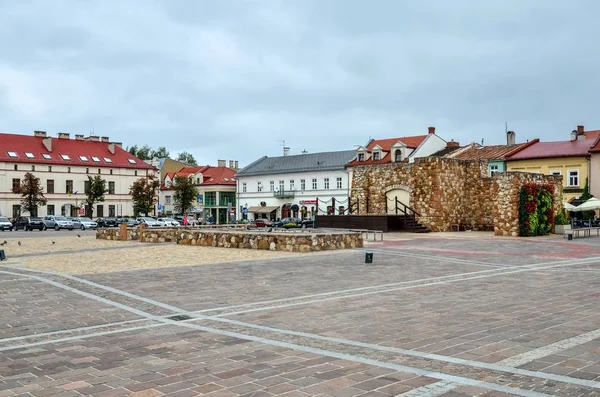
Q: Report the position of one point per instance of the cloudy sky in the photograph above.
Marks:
(231, 79)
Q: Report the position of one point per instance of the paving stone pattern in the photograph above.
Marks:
(451, 317)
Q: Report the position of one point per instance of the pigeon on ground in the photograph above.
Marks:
(54, 242)
(19, 243)
(78, 235)
(4, 242)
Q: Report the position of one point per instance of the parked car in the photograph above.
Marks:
(263, 222)
(84, 223)
(150, 222)
(287, 221)
(57, 222)
(29, 223)
(169, 221)
(298, 223)
(106, 222)
(5, 223)
(129, 221)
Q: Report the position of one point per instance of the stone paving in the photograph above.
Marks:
(431, 316)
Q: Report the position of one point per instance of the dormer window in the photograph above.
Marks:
(65, 157)
(47, 156)
(29, 155)
(398, 155)
(131, 161)
(376, 156)
(83, 158)
(96, 159)
(12, 154)
(361, 157)
(107, 160)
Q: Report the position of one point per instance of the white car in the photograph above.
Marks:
(84, 223)
(150, 222)
(5, 223)
(169, 222)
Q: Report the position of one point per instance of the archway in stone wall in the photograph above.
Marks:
(400, 193)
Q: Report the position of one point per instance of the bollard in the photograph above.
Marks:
(570, 236)
(2, 255)
(368, 257)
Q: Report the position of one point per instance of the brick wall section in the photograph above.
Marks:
(449, 191)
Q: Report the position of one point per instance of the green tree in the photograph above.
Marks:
(187, 158)
(160, 153)
(32, 193)
(586, 195)
(95, 189)
(143, 194)
(133, 150)
(144, 153)
(185, 194)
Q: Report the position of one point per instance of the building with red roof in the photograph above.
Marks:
(396, 150)
(63, 165)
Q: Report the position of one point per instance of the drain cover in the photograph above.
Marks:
(180, 317)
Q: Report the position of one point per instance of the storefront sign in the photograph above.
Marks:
(305, 202)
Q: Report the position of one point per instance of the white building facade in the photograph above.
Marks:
(63, 165)
(299, 186)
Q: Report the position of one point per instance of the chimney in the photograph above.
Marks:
(93, 138)
(235, 163)
(41, 134)
(511, 138)
(231, 164)
(111, 148)
(431, 130)
(452, 143)
(286, 151)
(118, 144)
(47, 143)
(221, 163)
(79, 137)
(64, 135)
(105, 139)
(579, 129)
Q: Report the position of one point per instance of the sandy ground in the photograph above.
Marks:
(88, 255)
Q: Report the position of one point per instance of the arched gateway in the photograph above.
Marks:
(400, 193)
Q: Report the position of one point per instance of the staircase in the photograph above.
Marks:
(410, 224)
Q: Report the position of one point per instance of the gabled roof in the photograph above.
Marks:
(490, 152)
(445, 152)
(324, 161)
(386, 144)
(540, 150)
(73, 148)
(210, 175)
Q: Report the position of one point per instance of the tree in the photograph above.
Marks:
(133, 150)
(185, 194)
(95, 189)
(143, 194)
(160, 153)
(585, 196)
(187, 158)
(32, 193)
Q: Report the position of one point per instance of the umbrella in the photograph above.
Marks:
(568, 207)
(591, 204)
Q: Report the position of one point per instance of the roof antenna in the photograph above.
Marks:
(304, 151)
(481, 141)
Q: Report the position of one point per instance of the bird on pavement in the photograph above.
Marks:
(19, 243)
(78, 235)
(54, 242)
(4, 242)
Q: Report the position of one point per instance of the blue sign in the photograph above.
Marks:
(159, 207)
(245, 210)
(199, 199)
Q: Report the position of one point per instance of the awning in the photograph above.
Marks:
(266, 210)
(254, 209)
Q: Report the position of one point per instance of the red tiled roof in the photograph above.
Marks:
(21, 144)
(596, 146)
(386, 144)
(492, 152)
(210, 175)
(593, 134)
(540, 150)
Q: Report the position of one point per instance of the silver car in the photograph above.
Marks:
(169, 222)
(84, 223)
(5, 223)
(57, 222)
(150, 222)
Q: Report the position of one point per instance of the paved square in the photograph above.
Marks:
(432, 316)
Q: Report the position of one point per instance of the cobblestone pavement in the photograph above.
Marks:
(430, 317)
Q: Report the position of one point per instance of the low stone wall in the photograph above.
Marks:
(290, 241)
(273, 241)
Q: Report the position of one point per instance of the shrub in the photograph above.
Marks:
(561, 219)
(536, 212)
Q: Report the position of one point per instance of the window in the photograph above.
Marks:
(16, 167)
(131, 161)
(87, 170)
(272, 186)
(50, 209)
(68, 169)
(69, 189)
(111, 187)
(32, 167)
(16, 183)
(87, 186)
(291, 184)
(95, 159)
(99, 171)
(198, 181)
(210, 198)
(47, 156)
(326, 183)
(12, 154)
(244, 189)
(555, 173)
(259, 186)
(573, 178)
(107, 160)
(65, 157)
(225, 198)
(29, 155)
(302, 184)
(338, 182)
(281, 186)
(168, 200)
(100, 211)
(16, 210)
(398, 155)
(376, 156)
(493, 169)
(314, 183)
(49, 168)
(50, 186)
(110, 172)
(83, 158)
(135, 172)
(361, 157)
(111, 211)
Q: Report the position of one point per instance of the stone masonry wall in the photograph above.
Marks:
(447, 191)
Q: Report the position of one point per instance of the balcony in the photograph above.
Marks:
(284, 194)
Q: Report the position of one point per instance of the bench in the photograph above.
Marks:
(367, 231)
(582, 232)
